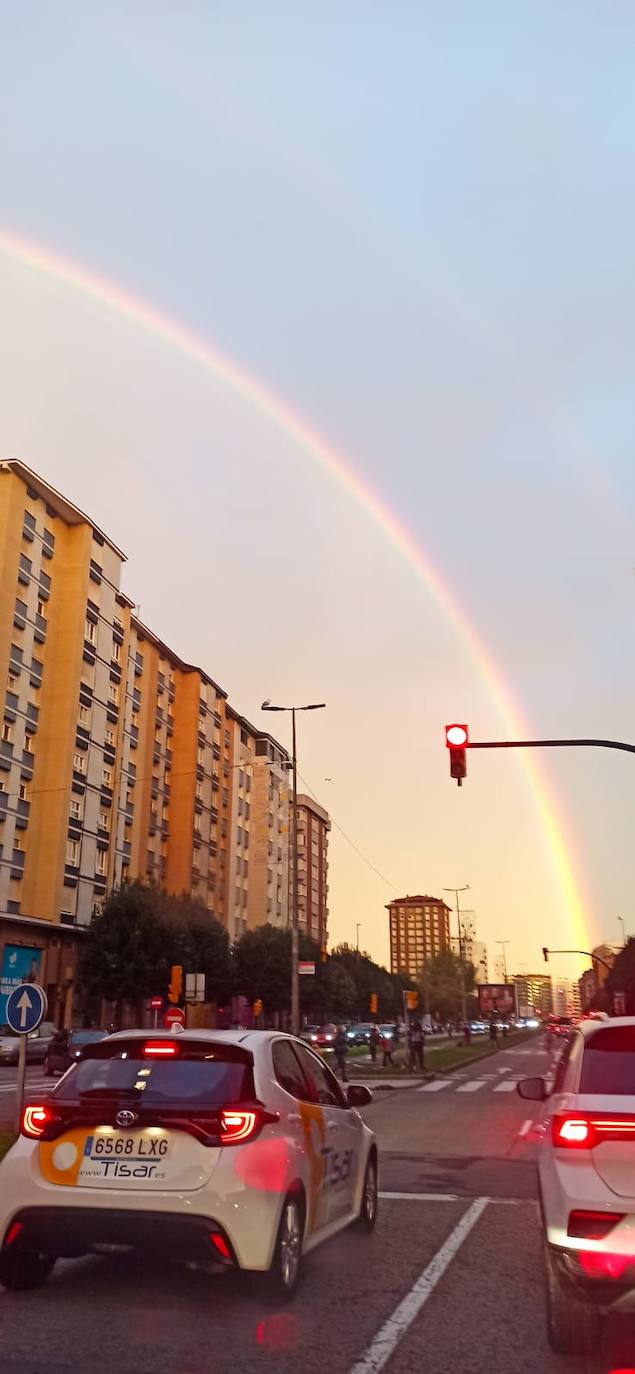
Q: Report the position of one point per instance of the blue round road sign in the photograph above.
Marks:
(26, 1007)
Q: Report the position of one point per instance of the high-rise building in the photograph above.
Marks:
(313, 832)
(534, 990)
(419, 929)
(474, 951)
(117, 758)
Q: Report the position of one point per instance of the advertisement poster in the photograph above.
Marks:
(20, 964)
(497, 997)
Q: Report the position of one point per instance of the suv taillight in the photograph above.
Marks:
(583, 1131)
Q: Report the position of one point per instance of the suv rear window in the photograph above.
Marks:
(608, 1063)
(199, 1075)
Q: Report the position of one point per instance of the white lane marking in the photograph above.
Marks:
(31, 1084)
(435, 1086)
(471, 1087)
(506, 1087)
(526, 1126)
(392, 1331)
(506, 1070)
(421, 1197)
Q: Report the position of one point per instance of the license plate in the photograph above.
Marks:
(134, 1158)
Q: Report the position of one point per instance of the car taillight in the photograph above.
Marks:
(35, 1120)
(160, 1049)
(592, 1225)
(602, 1266)
(581, 1131)
(237, 1124)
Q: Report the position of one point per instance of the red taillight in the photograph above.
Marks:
(13, 1233)
(220, 1244)
(35, 1121)
(236, 1126)
(599, 1265)
(581, 1131)
(592, 1225)
(160, 1049)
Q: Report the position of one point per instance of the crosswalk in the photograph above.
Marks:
(492, 1083)
(32, 1086)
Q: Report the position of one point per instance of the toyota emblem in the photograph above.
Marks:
(125, 1118)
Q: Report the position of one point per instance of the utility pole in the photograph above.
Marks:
(503, 944)
(295, 920)
(456, 891)
(357, 927)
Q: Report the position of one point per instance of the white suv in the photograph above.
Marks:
(586, 1170)
(238, 1147)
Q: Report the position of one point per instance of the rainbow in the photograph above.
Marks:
(202, 353)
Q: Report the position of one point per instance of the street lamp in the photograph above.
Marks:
(621, 921)
(295, 938)
(503, 944)
(456, 891)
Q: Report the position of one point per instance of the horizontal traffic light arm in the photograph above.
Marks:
(549, 744)
(595, 958)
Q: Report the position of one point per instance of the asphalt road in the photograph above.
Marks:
(451, 1279)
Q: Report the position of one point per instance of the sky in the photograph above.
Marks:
(412, 224)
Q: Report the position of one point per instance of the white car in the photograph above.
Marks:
(586, 1171)
(238, 1147)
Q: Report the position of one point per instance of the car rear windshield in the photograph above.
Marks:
(199, 1075)
(608, 1062)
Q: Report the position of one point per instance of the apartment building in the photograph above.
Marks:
(535, 992)
(313, 826)
(474, 951)
(419, 930)
(118, 759)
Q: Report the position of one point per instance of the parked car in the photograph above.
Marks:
(360, 1034)
(63, 1050)
(37, 1043)
(586, 1179)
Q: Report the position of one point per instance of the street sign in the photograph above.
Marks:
(26, 1007)
(174, 1016)
(306, 968)
(195, 987)
(156, 1003)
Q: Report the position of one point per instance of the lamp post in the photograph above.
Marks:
(621, 921)
(457, 891)
(503, 944)
(295, 927)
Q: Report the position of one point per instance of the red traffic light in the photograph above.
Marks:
(456, 736)
(456, 739)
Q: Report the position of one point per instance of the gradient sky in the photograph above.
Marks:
(415, 224)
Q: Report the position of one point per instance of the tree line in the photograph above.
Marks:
(140, 933)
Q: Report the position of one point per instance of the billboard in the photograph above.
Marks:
(497, 997)
(20, 964)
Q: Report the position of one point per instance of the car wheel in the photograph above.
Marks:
(368, 1210)
(285, 1266)
(572, 1323)
(25, 1269)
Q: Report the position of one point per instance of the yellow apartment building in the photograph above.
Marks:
(419, 929)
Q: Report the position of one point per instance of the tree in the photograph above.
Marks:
(622, 977)
(263, 966)
(201, 945)
(442, 986)
(127, 950)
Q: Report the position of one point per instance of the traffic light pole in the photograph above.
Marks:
(550, 744)
(595, 959)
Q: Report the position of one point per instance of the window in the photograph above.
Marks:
(29, 520)
(104, 820)
(79, 763)
(23, 792)
(101, 866)
(608, 1065)
(72, 853)
(11, 681)
(84, 714)
(90, 632)
(109, 737)
(199, 791)
(197, 823)
(106, 777)
(76, 809)
(113, 693)
(287, 1069)
(41, 607)
(28, 743)
(200, 756)
(322, 1084)
(7, 731)
(116, 651)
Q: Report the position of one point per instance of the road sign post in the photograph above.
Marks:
(26, 1008)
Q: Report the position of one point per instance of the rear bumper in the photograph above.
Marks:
(68, 1232)
(600, 1291)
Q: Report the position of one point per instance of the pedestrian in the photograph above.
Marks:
(387, 1047)
(493, 1031)
(341, 1050)
(374, 1041)
(467, 1033)
(416, 1044)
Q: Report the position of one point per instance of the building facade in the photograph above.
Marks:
(535, 991)
(419, 930)
(313, 832)
(118, 760)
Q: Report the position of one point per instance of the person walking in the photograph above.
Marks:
(341, 1050)
(374, 1041)
(387, 1047)
(415, 1038)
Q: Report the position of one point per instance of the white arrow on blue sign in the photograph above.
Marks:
(26, 1007)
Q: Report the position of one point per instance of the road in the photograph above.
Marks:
(451, 1280)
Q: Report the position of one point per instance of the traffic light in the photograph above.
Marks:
(456, 739)
(412, 999)
(257, 1007)
(176, 983)
(545, 954)
(373, 1003)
